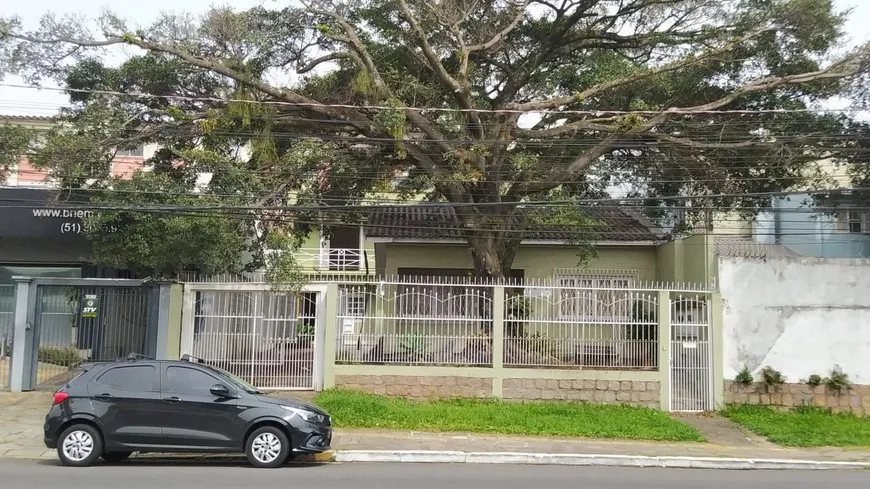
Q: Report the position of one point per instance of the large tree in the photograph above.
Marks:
(485, 104)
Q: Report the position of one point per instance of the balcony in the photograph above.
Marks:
(337, 259)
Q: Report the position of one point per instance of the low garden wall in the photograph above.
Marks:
(638, 393)
(418, 387)
(422, 383)
(854, 399)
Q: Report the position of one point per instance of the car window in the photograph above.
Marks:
(132, 378)
(184, 380)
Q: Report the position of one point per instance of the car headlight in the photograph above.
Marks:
(306, 415)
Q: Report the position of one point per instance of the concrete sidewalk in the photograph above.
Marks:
(21, 418)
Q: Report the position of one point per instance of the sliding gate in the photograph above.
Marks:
(271, 340)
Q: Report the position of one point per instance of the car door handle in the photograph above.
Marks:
(172, 400)
(103, 397)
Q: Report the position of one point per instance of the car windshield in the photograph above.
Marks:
(250, 389)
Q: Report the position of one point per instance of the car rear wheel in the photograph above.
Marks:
(116, 457)
(267, 447)
(80, 445)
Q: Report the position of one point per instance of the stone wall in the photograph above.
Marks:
(856, 399)
(638, 393)
(417, 387)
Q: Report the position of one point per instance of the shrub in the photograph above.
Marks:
(744, 377)
(838, 381)
(772, 377)
(65, 356)
(814, 381)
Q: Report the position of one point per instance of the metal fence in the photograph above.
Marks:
(7, 319)
(582, 324)
(75, 324)
(263, 337)
(593, 321)
(416, 322)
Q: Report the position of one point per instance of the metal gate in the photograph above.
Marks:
(7, 326)
(74, 324)
(691, 363)
(268, 339)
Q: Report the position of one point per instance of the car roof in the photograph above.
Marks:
(137, 357)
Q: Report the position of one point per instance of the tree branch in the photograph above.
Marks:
(570, 128)
(849, 66)
(556, 102)
(325, 59)
(461, 91)
(501, 35)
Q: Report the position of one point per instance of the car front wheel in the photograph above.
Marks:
(267, 447)
(80, 445)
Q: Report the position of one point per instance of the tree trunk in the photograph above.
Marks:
(492, 257)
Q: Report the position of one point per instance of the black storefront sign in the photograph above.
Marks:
(31, 213)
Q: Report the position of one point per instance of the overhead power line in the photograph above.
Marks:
(427, 109)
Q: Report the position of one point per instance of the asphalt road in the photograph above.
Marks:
(151, 475)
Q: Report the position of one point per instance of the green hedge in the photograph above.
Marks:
(64, 356)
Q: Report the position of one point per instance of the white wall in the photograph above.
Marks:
(799, 316)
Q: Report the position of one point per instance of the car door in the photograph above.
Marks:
(126, 400)
(195, 418)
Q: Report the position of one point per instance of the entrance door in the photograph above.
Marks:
(691, 362)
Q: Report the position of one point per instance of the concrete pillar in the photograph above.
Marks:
(21, 364)
(169, 322)
(498, 297)
(664, 325)
(330, 334)
(716, 338)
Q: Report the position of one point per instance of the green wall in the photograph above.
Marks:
(536, 261)
(691, 259)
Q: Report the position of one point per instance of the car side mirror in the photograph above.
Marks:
(220, 390)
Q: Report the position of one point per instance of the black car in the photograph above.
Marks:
(169, 406)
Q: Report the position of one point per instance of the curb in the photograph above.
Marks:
(521, 458)
(590, 460)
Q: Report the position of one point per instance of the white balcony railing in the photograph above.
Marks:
(335, 259)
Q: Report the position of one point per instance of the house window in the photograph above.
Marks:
(856, 221)
(598, 299)
(137, 151)
(355, 305)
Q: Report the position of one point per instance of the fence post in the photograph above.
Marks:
(188, 322)
(497, 340)
(716, 336)
(330, 323)
(168, 324)
(20, 366)
(664, 330)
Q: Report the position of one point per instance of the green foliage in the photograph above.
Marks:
(803, 427)
(838, 380)
(163, 243)
(63, 356)
(283, 273)
(814, 380)
(350, 409)
(413, 343)
(305, 329)
(744, 377)
(15, 141)
(772, 377)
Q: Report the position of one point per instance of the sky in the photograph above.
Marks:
(26, 101)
